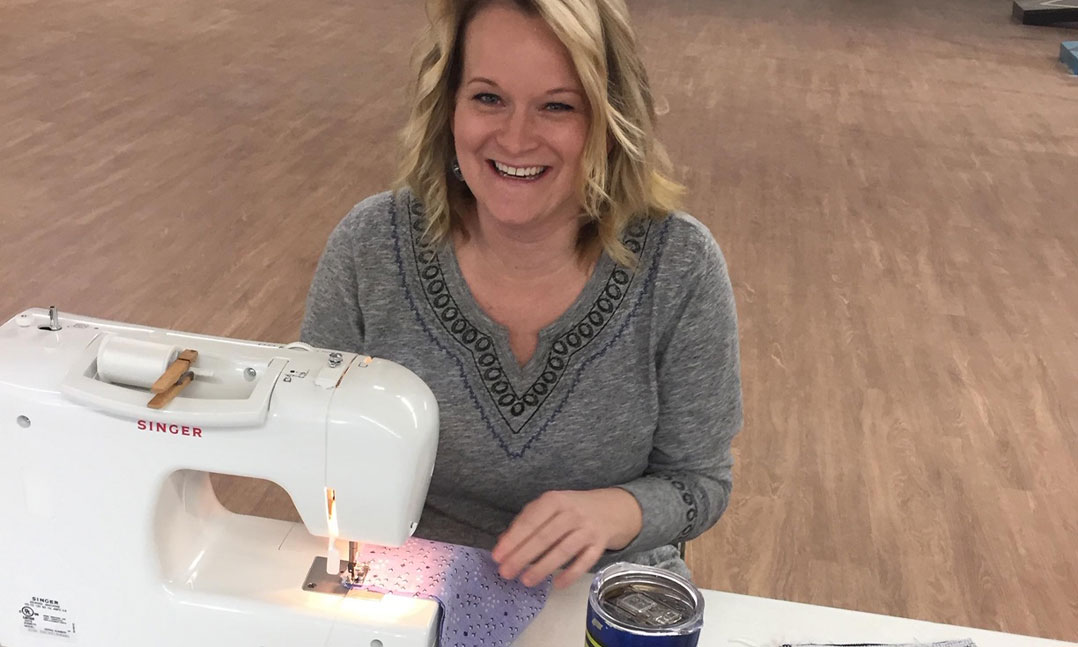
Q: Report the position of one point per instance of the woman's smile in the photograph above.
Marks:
(520, 173)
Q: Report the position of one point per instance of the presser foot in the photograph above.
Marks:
(318, 581)
(353, 576)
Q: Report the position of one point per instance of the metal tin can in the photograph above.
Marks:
(630, 605)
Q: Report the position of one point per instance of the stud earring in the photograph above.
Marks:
(455, 167)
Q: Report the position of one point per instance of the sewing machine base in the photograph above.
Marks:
(216, 592)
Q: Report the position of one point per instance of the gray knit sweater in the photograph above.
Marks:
(636, 385)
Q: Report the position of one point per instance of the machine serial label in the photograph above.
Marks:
(47, 617)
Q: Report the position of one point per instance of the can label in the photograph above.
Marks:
(640, 606)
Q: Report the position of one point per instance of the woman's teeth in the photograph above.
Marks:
(525, 172)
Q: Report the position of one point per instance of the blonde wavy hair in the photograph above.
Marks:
(628, 181)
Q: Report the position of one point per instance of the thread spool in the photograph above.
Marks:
(133, 362)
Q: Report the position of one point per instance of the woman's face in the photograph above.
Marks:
(521, 120)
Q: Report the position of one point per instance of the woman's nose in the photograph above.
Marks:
(517, 134)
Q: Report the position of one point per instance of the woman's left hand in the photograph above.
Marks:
(566, 528)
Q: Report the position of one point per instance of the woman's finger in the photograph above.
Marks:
(560, 554)
(584, 561)
(532, 517)
(534, 547)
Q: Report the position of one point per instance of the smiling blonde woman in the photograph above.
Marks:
(579, 333)
(623, 165)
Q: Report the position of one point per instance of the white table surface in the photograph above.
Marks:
(745, 621)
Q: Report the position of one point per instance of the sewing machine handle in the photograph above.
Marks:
(83, 387)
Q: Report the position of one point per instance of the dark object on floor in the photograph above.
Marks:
(1068, 55)
(1045, 12)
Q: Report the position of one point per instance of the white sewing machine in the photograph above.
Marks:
(111, 535)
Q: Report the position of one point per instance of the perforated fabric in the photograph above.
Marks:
(479, 607)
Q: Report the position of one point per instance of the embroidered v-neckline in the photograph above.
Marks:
(518, 391)
(519, 373)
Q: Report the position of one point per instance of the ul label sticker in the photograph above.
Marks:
(48, 617)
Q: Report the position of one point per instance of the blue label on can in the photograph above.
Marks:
(602, 634)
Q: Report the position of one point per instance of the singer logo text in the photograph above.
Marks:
(175, 430)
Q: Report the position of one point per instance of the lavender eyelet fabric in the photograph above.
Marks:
(479, 607)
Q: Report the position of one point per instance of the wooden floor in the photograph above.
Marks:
(895, 185)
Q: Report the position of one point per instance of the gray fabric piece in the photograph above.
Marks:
(637, 385)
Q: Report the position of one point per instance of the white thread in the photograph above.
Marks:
(133, 362)
(747, 643)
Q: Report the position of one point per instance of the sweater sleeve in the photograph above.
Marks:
(334, 318)
(686, 486)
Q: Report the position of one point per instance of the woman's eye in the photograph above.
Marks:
(486, 98)
(559, 107)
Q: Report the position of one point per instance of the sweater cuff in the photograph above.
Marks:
(663, 513)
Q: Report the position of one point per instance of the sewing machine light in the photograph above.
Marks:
(331, 512)
(351, 575)
(333, 556)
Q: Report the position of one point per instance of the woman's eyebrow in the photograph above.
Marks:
(559, 90)
(481, 79)
(566, 90)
